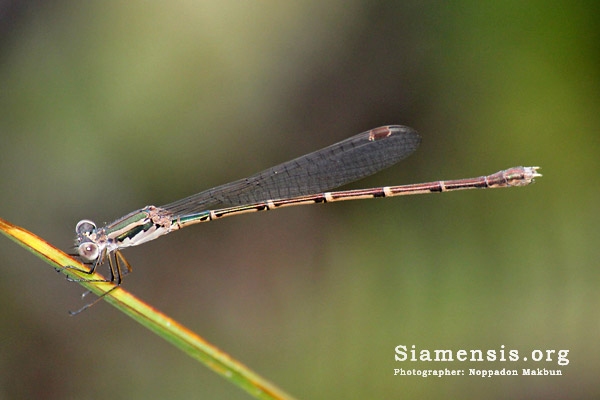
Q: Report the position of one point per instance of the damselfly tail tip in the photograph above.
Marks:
(532, 171)
(529, 175)
(519, 176)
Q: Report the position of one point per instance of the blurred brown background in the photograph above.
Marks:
(109, 106)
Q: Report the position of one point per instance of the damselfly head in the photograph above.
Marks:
(86, 247)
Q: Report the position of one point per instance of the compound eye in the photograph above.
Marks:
(85, 226)
(88, 251)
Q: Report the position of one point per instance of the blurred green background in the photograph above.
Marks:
(106, 107)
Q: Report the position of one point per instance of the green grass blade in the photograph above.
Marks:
(169, 329)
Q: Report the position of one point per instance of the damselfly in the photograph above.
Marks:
(303, 180)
